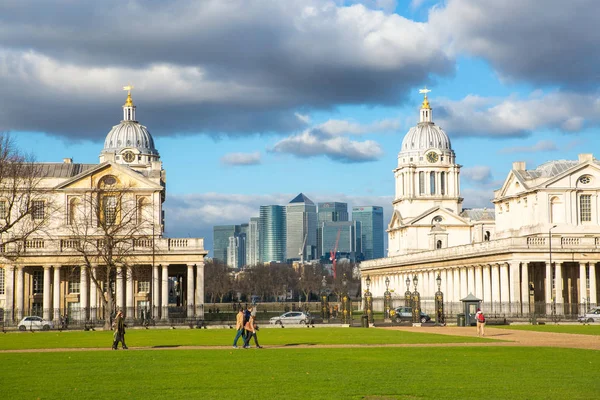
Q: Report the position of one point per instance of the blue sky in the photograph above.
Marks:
(251, 102)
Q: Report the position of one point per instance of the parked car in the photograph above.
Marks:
(292, 317)
(400, 314)
(593, 315)
(33, 322)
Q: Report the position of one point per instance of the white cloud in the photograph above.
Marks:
(335, 127)
(241, 159)
(541, 146)
(302, 117)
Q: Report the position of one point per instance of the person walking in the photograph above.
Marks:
(239, 326)
(251, 329)
(119, 331)
(480, 318)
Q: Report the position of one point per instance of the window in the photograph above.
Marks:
(73, 209)
(487, 236)
(432, 183)
(109, 208)
(143, 286)
(438, 244)
(421, 182)
(3, 209)
(142, 211)
(437, 220)
(38, 282)
(584, 180)
(37, 209)
(75, 281)
(443, 183)
(2, 281)
(585, 208)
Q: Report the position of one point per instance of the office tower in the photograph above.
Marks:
(272, 233)
(342, 233)
(253, 242)
(233, 252)
(371, 221)
(331, 211)
(221, 235)
(301, 228)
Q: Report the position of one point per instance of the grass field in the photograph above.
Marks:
(578, 329)
(283, 371)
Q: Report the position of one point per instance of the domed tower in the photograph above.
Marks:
(130, 143)
(427, 175)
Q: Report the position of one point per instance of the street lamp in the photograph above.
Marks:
(415, 281)
(387, 300)
(439, 302)
(346, 305)
(416, 302)
(407, 294)
(324, 301)
(368, 282)
(368, 310)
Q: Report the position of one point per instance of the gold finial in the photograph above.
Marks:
(425, 101)
(129, 101)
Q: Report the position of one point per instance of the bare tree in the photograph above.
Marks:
(109, 225)
(217, 281)
(25, 208)
(310, 279)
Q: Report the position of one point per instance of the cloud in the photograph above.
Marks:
(303, 118)
(516, 117)
(546, 44)
(478, 198)
(241, 159)
(234, 67)
(542, 145)
(479, 173)
(335, 127)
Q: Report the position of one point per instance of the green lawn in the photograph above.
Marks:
(220, 337)
(579, 329)
(349, 373)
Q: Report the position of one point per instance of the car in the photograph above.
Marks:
(292, 317)
(34, 322)
(400, 314)
(592, 315)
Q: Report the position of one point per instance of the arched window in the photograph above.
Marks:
(438, 244)
(421, 182)
(487, 236)
(556, 210)
(143, 210)
(443, 183)
(109, 209)
(432, 183)
(73, 211)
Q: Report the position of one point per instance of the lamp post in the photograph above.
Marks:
(368, 301)
(407, 294)
(439, 302)
(551, 269)
(346, 305)
(387, 300)
(324, 301)
(416, 302)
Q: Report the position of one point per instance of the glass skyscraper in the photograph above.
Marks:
(371, 222)
(272, 228)
(328, 212)
(252, 242)
(346, 244)
(221, 235)
(301, 224)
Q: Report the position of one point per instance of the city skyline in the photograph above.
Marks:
(250, 102)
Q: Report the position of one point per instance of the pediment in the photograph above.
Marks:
(396, 220)
(126, 177)
(448, 218)
(513, 185)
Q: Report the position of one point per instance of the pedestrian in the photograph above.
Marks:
(251, 329)
(239, 326)
(119, 331)
(480, 318)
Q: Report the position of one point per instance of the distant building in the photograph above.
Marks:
(301, 228)
(272, 228)
(371, 222)
(253, 242)
(327, 212)
(348, 232)
(221, 235)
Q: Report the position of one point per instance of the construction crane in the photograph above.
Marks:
(332, 254)
(302, 249)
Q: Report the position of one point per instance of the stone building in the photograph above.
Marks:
(536, 251)
(45, 274)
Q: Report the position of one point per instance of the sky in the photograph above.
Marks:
(251, 102)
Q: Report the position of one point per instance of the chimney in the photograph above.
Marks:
(68, 160)
(519, 165)
(583, 157)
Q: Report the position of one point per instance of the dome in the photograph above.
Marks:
(425, 136)
(130, 134)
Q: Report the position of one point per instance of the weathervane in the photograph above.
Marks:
(424, 91)
(128, 88)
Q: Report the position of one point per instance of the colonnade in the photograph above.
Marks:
(54, 299)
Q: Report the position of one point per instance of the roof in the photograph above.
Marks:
(301, 198)
(478, 214)
(63, 170)
(549, 169)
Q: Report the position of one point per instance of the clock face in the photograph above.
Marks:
(128, 156)
(432, 157)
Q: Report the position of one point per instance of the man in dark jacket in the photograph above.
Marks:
(119, 331)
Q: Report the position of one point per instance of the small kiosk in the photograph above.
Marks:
(470, 306)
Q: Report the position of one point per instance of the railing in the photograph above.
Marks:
(69, 244)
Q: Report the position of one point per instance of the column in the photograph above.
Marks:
(190, 290)
(495, 278)
(83, 293)
(456, 284)
(446, 276)
(47, 289)
(165, 292)
(515, 287)
(155, 291)
(56, 293)
(504, 287)
(525, 288)
(93, 293)
(119, 289)
(479, 281)
(558, 282)
(9, 293)
(487, 286)
(470, 279)
(593, 288)
(582, 284)
(20, 294)
(463, 283)
(548, 284)
(129, 294)
(200, 289)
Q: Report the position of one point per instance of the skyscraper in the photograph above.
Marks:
(301, 228)
(272, 228)
(371, 221)
(253, 242)
(327, 212)
(221, 235)
(344, 233)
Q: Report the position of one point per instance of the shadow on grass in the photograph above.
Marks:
(298, 344)
(165, 346)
